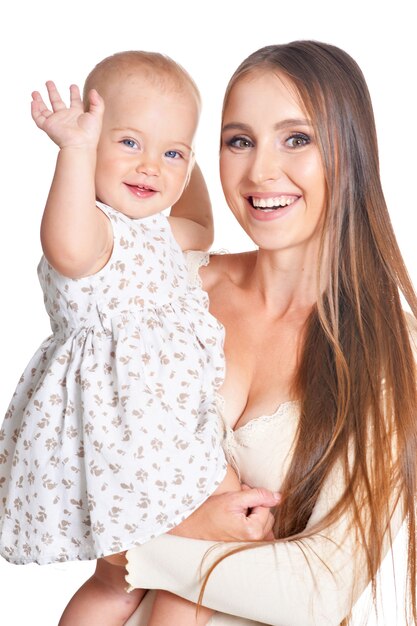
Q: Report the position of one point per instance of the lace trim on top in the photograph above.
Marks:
(242, 436)
(196, 259)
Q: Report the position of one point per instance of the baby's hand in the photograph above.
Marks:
(69, 127)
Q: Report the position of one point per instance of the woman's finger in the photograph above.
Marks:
(251, 498)
(258, 523)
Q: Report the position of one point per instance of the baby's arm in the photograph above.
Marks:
(191, 216)
(75, 235)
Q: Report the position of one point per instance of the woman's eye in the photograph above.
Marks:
(173, 154)
(130, 143)
(241, 143)
(298, 140)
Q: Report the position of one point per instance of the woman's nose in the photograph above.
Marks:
(266, 165)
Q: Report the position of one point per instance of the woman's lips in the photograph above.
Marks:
(268, 207)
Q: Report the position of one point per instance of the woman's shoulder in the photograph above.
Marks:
(221, 267)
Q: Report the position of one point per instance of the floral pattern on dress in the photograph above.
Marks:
(112, 436)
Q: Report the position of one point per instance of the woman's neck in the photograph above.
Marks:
(286, 281)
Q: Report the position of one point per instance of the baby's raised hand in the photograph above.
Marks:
(69, 126)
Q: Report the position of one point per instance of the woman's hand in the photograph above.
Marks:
(233, 516)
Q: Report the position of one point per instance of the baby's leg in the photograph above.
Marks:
(169, 609)
(103, 599)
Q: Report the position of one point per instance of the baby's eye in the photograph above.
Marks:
(298, 140)
(239, 142)
(173, 154)
(130, 143)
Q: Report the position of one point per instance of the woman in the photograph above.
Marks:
(314, 326)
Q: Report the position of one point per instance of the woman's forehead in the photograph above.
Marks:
(266, 93)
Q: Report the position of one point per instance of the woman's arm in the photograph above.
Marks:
(313, 582)
(191, 217)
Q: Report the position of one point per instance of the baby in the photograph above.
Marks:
(112, 435)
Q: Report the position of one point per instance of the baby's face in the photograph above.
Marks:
(145, 155)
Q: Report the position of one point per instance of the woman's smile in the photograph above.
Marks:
(271, 207)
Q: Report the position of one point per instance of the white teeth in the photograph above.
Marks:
(268, 203)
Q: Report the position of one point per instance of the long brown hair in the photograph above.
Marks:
(356, 379)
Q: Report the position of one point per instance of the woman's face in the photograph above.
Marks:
(271, 169)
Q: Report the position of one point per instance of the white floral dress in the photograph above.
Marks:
(112, 436)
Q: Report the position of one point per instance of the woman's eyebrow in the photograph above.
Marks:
(293, 121)
(236, 126)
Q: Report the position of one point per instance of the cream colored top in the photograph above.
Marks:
(284, 584)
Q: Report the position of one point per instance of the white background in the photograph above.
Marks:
(63, 41)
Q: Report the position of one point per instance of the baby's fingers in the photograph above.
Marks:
(56, 101)
(39, 110)
(75, 98)
(95, 103)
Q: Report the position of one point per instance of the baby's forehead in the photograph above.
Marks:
(141, 81)
(137, 78)
(136, 91)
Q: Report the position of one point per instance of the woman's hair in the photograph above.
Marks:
(356, 378)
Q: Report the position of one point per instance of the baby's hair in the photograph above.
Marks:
(154, 66)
